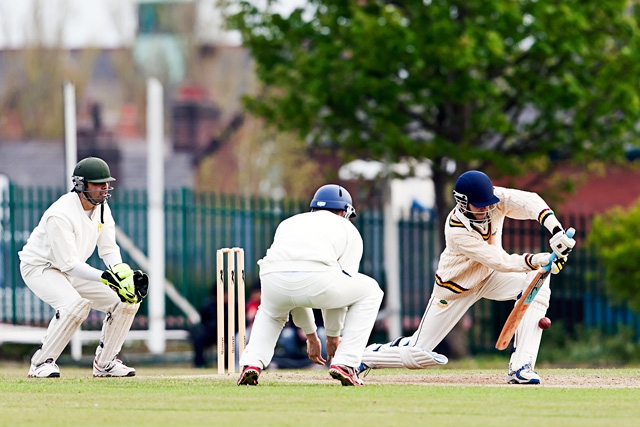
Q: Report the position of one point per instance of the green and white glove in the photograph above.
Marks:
(120, 278)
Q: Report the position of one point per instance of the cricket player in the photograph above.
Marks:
(53, 265)
(474, 265)
(313, 263)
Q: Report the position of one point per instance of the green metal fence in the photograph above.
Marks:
(197, 224)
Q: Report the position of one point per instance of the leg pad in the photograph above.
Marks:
(62, 327)
(114, 331)
(400, 356)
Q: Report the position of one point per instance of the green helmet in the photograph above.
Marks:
(93, 169)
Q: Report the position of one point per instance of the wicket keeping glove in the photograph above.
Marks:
(141, 284)
(120, 279)
(561, 244)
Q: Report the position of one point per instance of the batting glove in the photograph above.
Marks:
(561, 244)
(543, 259)
(120, 280)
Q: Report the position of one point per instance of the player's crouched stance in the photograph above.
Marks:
(313, 263)
(53, 265)
(472, 266)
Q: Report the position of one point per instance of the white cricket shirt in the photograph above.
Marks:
(474, 252)
(314, 241)
(66, 236)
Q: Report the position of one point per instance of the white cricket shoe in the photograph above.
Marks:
(48, 369)
(524, 375)
(115, 368)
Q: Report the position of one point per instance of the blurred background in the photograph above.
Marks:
(264, 101)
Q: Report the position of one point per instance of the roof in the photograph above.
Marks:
(38, 163)
(594, 192)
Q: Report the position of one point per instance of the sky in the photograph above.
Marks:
(100, 23)
(95, 23)
(83, 23)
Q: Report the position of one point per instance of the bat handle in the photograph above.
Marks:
(570, 232)
(552, 258)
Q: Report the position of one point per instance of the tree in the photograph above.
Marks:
(502, 86)
(614, 238)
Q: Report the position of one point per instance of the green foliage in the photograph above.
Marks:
(478, 82)
(11, 351)
(588, 347)
(614, 236)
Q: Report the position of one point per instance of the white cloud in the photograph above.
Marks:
(67, 23)
(98, 23)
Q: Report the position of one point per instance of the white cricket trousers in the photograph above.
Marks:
(59, 289)
(441, 316)
(356, 299)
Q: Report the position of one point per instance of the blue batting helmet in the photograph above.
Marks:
(476, 188)
(332, 196)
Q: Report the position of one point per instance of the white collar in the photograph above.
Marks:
(462, 218)
(467, 222)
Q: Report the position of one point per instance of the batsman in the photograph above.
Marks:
(53, 265)
(474, 265)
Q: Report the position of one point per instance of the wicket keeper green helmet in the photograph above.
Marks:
(91, 169)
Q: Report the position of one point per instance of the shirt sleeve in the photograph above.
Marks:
(488, 255)
(85, 271)
(112, 259)
(303, 319)
(520, 204)
(334, 320)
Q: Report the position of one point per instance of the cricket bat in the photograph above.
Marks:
(510, 326)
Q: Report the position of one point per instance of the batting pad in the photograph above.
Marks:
(544, 295)
(526, 342)
(393, 356)
(114, 331)
(62, 327)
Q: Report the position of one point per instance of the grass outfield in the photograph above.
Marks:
(434, 397)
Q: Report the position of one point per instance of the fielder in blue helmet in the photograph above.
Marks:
(334, 197)
(314, 262)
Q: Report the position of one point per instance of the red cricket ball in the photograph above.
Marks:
(544, 323)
